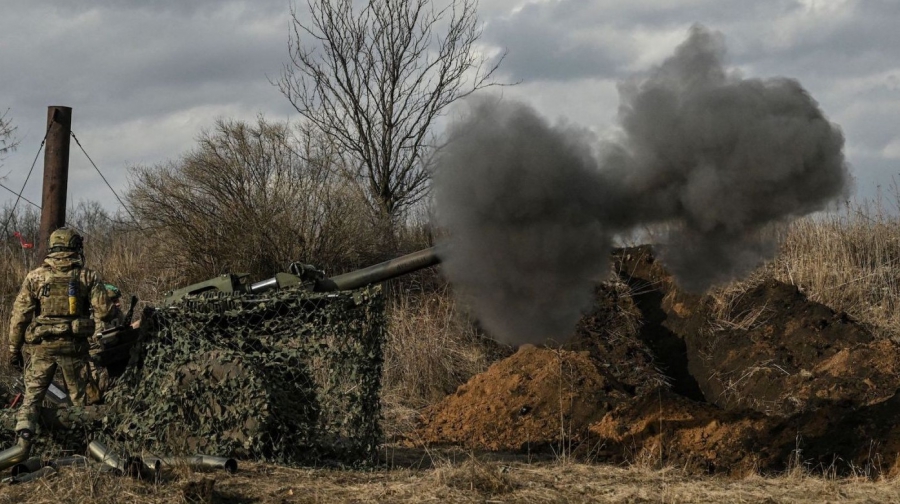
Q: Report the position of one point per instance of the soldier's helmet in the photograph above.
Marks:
(65, 240)
(112, 292)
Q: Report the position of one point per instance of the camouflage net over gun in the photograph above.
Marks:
(291, 377)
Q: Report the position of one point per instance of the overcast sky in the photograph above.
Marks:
(144, 77)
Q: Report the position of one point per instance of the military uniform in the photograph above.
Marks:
(53, 318)
(116, 319)
(116, 315)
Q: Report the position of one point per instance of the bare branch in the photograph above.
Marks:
(374, 79)
(8, 141)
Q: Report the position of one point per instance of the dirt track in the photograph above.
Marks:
(656, 374)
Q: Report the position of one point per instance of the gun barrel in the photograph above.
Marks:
(381, 271)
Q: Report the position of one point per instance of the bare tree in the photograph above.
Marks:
(8, 141)
(253, 198)
(374, 79)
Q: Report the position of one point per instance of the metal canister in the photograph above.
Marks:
(73, 297)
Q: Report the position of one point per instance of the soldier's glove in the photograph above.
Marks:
(15, 359)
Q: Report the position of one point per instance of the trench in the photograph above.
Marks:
(669, 349)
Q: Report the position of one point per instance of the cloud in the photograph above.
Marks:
(124, 62)
(892, 149)
(142, 77)
(562, 40)
(842, 51)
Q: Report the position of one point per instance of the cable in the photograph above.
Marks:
(104, 178)
(69, 223)
(19, 195)
(26, 200)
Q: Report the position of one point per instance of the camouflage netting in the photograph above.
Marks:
(290, 377)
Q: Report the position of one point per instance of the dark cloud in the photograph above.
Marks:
(858, 39)
(568, 39)
(122, 57)
(138, 67)
(179, 8)
(542, 43)
(842, 51)
(146, 63)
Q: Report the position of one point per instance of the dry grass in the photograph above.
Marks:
(724, 299)
(469, 480)
(12, 272)
(432, 348)
(848, 261)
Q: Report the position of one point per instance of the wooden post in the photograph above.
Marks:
(56, 175)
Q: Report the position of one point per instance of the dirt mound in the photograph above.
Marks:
(539, 397)
(792, 356)
(845, 439)
(753, 381)
(770, 349)
(535, 397)
(668, 429)
(663, 426)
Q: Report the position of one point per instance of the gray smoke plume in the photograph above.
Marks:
(526, 243)
(531, 207)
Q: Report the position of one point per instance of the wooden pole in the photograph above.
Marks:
(56, 175)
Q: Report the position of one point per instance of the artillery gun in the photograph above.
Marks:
(308, 277)
(116, 343)
(301, 386)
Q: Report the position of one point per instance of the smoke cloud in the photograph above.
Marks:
(531, 207)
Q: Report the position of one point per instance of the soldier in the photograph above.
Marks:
(116, 316)
(52, 320)
(116, 319)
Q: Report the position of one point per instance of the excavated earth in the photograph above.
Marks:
(762, 382)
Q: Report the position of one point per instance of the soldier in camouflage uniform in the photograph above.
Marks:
(116, 316)
(53, 318)
(116, 319)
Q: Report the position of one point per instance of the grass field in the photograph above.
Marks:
(848, 260)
